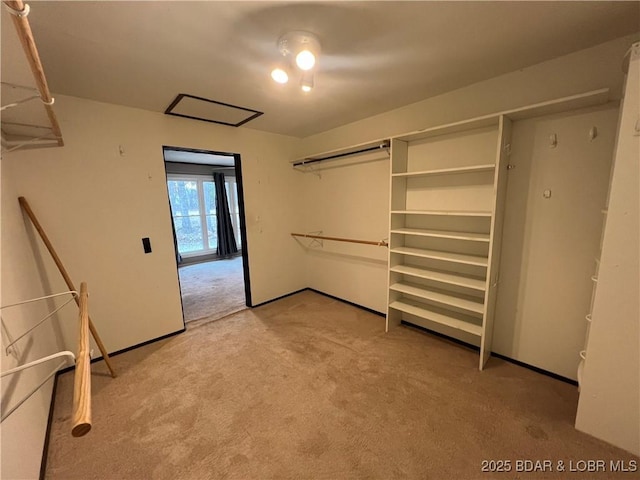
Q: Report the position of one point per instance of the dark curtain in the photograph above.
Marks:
(226, 239)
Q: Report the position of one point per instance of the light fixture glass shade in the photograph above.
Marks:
(279, 75)
(306, 83)
(305, 60)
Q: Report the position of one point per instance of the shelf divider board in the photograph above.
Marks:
(465, 125)
(397, 199)
(442, 277)
(470, 236)
(444, 256)
(452, 322)
(461, 213)
(439, 297)
(502, 159)
(448, 171)
(564, 104)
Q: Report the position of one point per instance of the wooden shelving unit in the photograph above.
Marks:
(447, 190)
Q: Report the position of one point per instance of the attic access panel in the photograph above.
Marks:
(198, 108)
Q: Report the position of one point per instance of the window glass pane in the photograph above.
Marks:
(209, 197)
(212, 231)
(189, 234)
(183, 196)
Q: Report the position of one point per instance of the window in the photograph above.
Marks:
(193, 205)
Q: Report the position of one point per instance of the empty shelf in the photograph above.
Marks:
(474, 237)
(445, 256)
(459, 324)
(460, 213)
(439, 297)
(448, 171)
(443, 277)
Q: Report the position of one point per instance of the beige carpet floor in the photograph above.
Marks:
(212, 289)
(311, 388)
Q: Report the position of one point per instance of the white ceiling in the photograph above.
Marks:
(376, 56)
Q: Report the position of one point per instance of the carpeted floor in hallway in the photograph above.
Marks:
(212, 289)
(308, 387)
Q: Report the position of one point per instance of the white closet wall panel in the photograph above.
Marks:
(549, 244)
(609, 406)
(347, 198)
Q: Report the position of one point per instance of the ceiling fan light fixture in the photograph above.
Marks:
(300, 50)
(280, 75)
(306, 83)
(305, 60)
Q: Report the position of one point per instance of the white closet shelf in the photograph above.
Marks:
(471, 236)
(448, 171)
(456, 127)
(442, 277)
(419, 311)
(445, 256)
(459, 213)
(438, 297)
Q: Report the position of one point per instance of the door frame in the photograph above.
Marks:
(237, 161)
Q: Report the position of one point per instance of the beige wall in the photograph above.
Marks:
(96, 205)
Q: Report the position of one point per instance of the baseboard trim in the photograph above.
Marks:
(535, 369)
(370, 310)
(333, 297)
(279, 298)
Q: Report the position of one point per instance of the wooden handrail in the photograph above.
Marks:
(82, 377)
(29, 45)
(32, 216)
(381, 243)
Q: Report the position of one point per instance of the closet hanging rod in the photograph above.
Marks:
(381, 243)
(379, 146)
(19, 12)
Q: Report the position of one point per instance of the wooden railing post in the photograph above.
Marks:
(82, 378)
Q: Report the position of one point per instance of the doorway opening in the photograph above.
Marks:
(206, 200)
